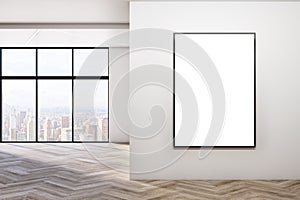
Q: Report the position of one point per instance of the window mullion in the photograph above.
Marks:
(36, 97)
(73, 95)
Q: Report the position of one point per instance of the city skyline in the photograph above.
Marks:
(46, 108)
(19, 125)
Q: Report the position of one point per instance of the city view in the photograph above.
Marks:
(53, 98)
(17, 124)
(53, 125)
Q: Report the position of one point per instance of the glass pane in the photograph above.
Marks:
(18, 62)
(55, 110)
(56, 62)
(91, 110)
(18, 114)
(91, 62)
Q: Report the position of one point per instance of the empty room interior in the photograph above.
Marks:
(149, 99)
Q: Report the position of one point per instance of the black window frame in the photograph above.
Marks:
(41, 77)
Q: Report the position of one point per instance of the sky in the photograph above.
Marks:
(52, 93)
(54, 62)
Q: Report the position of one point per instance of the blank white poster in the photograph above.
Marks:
(233, 56)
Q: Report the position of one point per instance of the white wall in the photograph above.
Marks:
(119, 66)
(60, 37)
(278, 112)
(64, 11)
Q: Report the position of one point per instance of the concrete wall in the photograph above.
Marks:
(277, 28)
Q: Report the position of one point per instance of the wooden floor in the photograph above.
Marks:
(100, 171)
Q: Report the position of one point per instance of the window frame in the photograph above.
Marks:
(42, 77)
(251, 147)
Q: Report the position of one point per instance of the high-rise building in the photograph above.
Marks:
(55, 124)
(65, 122)
(30, 129)
(48, 133)
(103, 129)
(66, 134)
(20, 135)
(22, 116)
(56, 134)
(90, 132)
(12, 126)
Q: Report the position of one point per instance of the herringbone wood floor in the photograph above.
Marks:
(73, 171)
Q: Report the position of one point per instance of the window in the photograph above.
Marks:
(55, 110)
(18, 110)
(92, 66)
(18, 62)
(90, 118)
(44, 94)
(55, 62)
